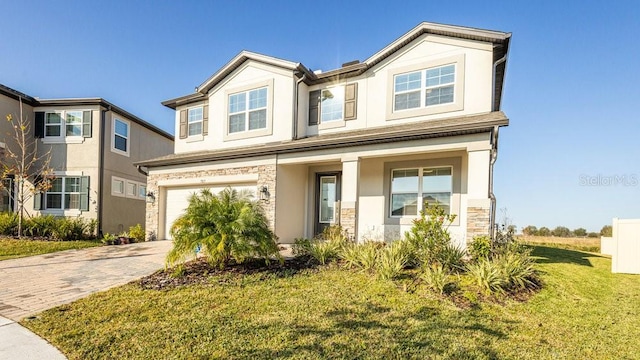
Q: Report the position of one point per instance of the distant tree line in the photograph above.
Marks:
(562, 231)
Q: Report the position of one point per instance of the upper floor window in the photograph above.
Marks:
(413, 189)
(120, 137)
(248, 110)
(194, 120)
(56, 126)
(334, 104)
(433, 86)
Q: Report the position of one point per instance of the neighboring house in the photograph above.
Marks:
(93, 146)
(364, 146)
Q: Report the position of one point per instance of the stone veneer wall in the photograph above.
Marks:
(477, 222)
(348, 221)
(266, 176)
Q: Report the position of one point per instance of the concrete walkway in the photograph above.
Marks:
(33, 284)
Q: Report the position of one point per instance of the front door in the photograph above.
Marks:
(327, 194)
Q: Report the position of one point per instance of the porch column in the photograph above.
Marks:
(478, 202)
(349, 202)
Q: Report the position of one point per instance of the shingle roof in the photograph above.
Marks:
(378, 135)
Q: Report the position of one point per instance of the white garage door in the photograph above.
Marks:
(178, 200)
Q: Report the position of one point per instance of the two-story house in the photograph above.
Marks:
(365, 146)
(93, 145)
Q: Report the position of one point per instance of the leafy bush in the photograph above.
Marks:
(323, 251)
(518, 270)
(108, 239)
(39, 226)
(429, 238)
(137, 233)
(325, 247)
(367, 255)
(226, 226)
(301, 246)
(451, 257)
(391, 261)
(488, 275)
(436, 277)
(480, 248)
(8, 223)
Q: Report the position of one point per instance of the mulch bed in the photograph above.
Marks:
(200, 272)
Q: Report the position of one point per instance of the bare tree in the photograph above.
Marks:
(31, 171)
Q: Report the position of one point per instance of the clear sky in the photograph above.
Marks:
(571, 155)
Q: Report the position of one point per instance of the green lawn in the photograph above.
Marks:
(584, 312)
(11, 248)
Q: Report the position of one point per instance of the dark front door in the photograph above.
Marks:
(327, 194)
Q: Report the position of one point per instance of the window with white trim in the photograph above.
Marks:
(142, 191)
(59, 124)
(424, 88)
(64, 193)
(194, 121)
(248, 110)
(120, 138)
(412, 189)
(117, 186)
(132, 189)
(332, 104)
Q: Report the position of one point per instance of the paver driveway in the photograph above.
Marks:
(33, 284)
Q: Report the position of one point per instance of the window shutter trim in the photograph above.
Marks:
(86, 124)
(84, 193)
(205, 120)
(38, 130)
(314, 107)
(183, 124)
(351, 101)
(37, 201)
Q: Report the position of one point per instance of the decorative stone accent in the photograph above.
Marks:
(266, 177)
(348, 221)
(477, 222)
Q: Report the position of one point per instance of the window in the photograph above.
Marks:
(120, 139)
(413, 189)
(429, 87)
(64, 193)
(53, 122)
(332, 104)
(195, 117)
(58, 125)
(132, 189)
(142, 191)
(248, 110)
(117, 186)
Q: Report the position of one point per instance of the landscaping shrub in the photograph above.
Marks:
(65, 229)
(451, 257)
(225, 226)
(137, 233)
(367, 255)
(323, 251)
(518, 270)
(436, 277)
(8, 223)
(325, 247)
(488, 276)
(391, 260)
(39, 226)
(429, 238)
(480, 247)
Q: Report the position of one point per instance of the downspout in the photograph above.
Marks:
(494, 152)
(492, 160)
(142, 171)
(296, 106)
(103, 133)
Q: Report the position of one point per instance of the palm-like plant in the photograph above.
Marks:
(226, 226)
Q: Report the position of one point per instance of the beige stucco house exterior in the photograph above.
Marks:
(93, 146)
(364, 146)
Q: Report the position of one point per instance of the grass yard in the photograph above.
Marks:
(573, 243)
(584, 312)
(12, 248)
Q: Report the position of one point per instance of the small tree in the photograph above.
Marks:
(544, 231)
(530, 230)
(30, 170)
(561, 231)
(581, 232)
(225, 226)
(606, 230)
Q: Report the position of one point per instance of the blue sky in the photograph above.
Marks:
(569, 157)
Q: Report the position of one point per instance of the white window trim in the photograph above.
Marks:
(268, 130)
(125, 185)
(420, 198)
(115, 193)
(62, 212)
(113, 136)
(195, 137)
(458, 91)
(62, 139)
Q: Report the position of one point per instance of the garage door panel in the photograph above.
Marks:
(177, 200)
